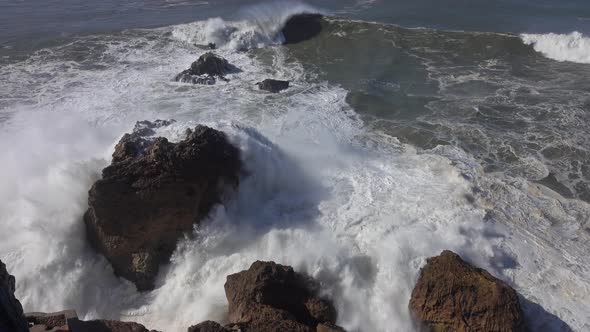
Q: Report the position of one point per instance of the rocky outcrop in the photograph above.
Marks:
(11, 311)
(153, 192)
(270, 297)
(302, 27)
(205, 70)
(68, 321)
(273, 86)
(452, 295)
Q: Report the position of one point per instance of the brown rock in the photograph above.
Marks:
(208, 326)
(153, 192)
(68, 321)
(268, 295)
(327, 327)
(452, 295)
(11, 312)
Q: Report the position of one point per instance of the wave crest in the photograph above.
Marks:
(573, 47)
(257, 26)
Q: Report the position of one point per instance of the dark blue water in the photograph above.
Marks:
(28, 25)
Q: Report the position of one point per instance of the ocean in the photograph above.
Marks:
(410, 127)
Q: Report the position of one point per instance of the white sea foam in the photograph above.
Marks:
(255, 27)
(357, 210)
(574, 47)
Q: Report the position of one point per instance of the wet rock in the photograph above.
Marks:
(273, 297)
(11, 312)
(452, 295)
(155, 191)
(302, 27)
(68, 321)
(205, 70)
(273, 86)
(57, 321)
(327, 327)
(208, 326)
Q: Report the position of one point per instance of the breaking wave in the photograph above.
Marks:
(573, 47)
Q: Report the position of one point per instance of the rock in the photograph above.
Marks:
(302, 27)
(452, 295)
(57, 321)
(208, 326)
(273, 86)
(11, 312)
(155, 191)
(68, 321)
(327, 327)
(205, 69)
(272, 297)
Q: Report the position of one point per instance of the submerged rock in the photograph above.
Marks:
(153, 192)
(302, 27)
(11, 312)
(205, 69)
(273, 86)
(452, 295)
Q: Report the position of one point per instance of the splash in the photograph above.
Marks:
(257, 26)
(573, 47)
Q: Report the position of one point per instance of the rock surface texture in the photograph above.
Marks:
(273, 86)
(12, 318)
(302, 27)
(452, 295)
(270, 297)
(205, 69)
(68, 321)
(155, 191)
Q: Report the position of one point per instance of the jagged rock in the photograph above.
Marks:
(208, 326)
(273, 86)
(57, 321)
(302, 27)
(155, 191)
(452, 295)
(68, 321)
(327, 327)
(205, 69)
(272, 297)
(11, 312)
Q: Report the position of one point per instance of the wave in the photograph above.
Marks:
(257, 26)
(573, 47)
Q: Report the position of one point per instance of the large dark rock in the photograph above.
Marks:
(205, 69)
(452, 295)
(302, 27)
(268, 295)
(273, 86)
(12, 318)
(153, 192)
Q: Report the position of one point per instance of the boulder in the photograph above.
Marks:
(302, 27)
(208, 326)
(205, 69)
(269, 295)
(11, 312)
(155, 191)
(273, 86)
(452, 295)
(68, 321)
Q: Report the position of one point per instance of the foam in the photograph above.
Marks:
(573, 47)
(355, 209)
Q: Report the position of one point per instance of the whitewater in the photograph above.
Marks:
(352, 207)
